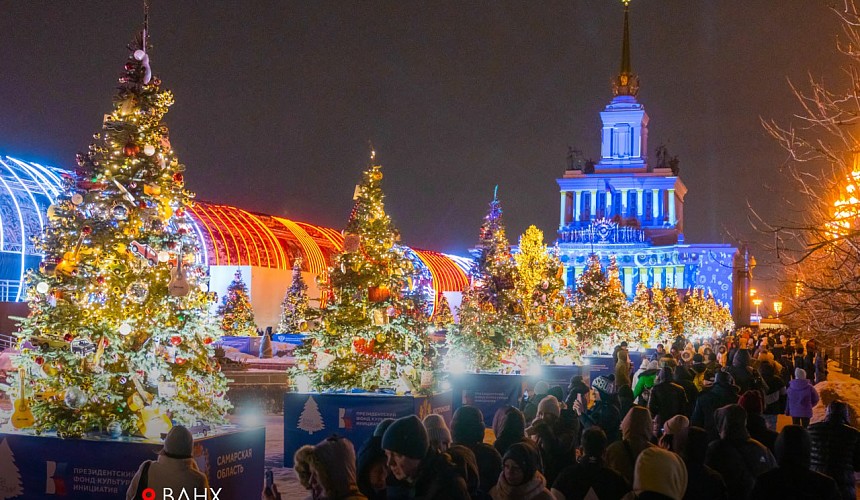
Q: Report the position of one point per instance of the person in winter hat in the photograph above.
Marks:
(467, 429)
(606, 410)
(667, 399)
(174, 468)
(721, 393)
(509, 426)
(751, 402)
(636, 432)
(590, 478)
(673, 432)
(464, 460)
(623, 368)
(793, 479)
(836, 448)
(428, 474)
(520, 478)
(541, 390)
(333, 474)
(642, 367)
(736, 456)
(302, 466)
(437, 432)
(576, 388)
(371, 471)
(703, 482)
(660, 472)
(555, 440)
(801, 397)
(643, 385)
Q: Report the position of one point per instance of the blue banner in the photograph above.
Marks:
(44, 467)
(598, 366)
(557, 375)
(487, 391)
(311, 417)
(289, 338)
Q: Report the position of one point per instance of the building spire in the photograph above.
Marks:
(626, 83)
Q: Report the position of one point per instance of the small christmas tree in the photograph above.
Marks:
(10, 476)
(442, 318)
(599, 300)
(237, 316)
(539, 292)
(311, 419)
(119, 307)
(295, 309)
(488, 334)
(372, 331)
(662, 322)
(638, 317)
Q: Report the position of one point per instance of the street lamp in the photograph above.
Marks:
(753, 292)
(777, 307)
(757, 302)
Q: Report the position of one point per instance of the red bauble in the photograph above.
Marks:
(207, 340)
(100, 280)
(178, 178)
(131, 149)
(68, 337)
(176, 340)
(180, 361)
(378, 293)
(39, 360)
(86, 230)
(180, 212)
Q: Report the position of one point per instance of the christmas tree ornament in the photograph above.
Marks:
(114, 429)
(124, 329)
(75, 398)
(163, 256)
(49, 370)
(351, 242)
(148, 149)
(77, 199)
(378, 293)
(52, 213)
(131, 149)
(176, 340)
(137, 291)
(42, 287)
(119, 211)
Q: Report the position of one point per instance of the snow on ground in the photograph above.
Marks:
(838, 385)
(285, 478)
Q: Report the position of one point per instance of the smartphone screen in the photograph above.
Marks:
(269, 478)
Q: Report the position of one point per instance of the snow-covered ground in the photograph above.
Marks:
(838, 385)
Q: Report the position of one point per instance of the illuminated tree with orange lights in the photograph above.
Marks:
(372, 333)
(119, 334)
(295, 308)
(235, 311)
(817, 239)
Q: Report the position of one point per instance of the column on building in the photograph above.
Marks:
(577, 205)
(563, 211)
(607, 210)
(640, 205)
(655, 204)
(643, 275)
(628, 280)
(577, 272)
(679, 277)
(658, 277)
(624, 202)
(593, 214)
(670, 195)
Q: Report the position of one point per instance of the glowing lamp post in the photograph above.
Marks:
(757, 302)
(777, 307)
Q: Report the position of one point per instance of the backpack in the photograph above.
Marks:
(143, 482)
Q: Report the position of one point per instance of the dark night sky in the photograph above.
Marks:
(276, 100)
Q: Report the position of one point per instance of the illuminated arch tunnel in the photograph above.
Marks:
(231, 236)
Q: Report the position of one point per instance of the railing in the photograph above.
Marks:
(9, 290)
(6, 341)
(848, 359)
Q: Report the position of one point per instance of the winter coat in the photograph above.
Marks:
(438, 479)
(836, 452)
(534, 489)
(667, 400)
(743, 375)
(820, 368)
(736, 456)
(708, 402)
(774, 398)
(685, 378)
(704, 483)
(794, 482)
(622, 373)
(166, 472)
(556, 446)
(636, 434)
(801, 397)
(489, 464)
(642, 390)
(758, 430)
(575, 482)
(605, 415)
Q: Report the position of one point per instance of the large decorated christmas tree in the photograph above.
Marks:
(540, 295)
(490, 329)
(372, 330)
(118, 336)
(295, 308)
(599, 302)
(235, 311)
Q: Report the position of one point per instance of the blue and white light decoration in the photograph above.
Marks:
(27, 189)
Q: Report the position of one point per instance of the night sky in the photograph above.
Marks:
(276, 101)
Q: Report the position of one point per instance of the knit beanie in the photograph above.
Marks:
(660, 471)
(556, 391)
(333, 462)
(467, 426)
(178, 443)
(549, 406)
(381, 427)
(799, 373)
(526, 455)
(437, 429)
(406, 436)
(577, 386)
(653, 365)
(541, 387)
(751, 402)
(837, 410)
(605, 384)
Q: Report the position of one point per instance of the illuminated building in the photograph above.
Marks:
(627, 207)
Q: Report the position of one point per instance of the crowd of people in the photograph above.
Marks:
(696, 421)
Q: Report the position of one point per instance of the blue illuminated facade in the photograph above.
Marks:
(626, 207)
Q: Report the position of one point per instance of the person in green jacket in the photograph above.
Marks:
(644, 383)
